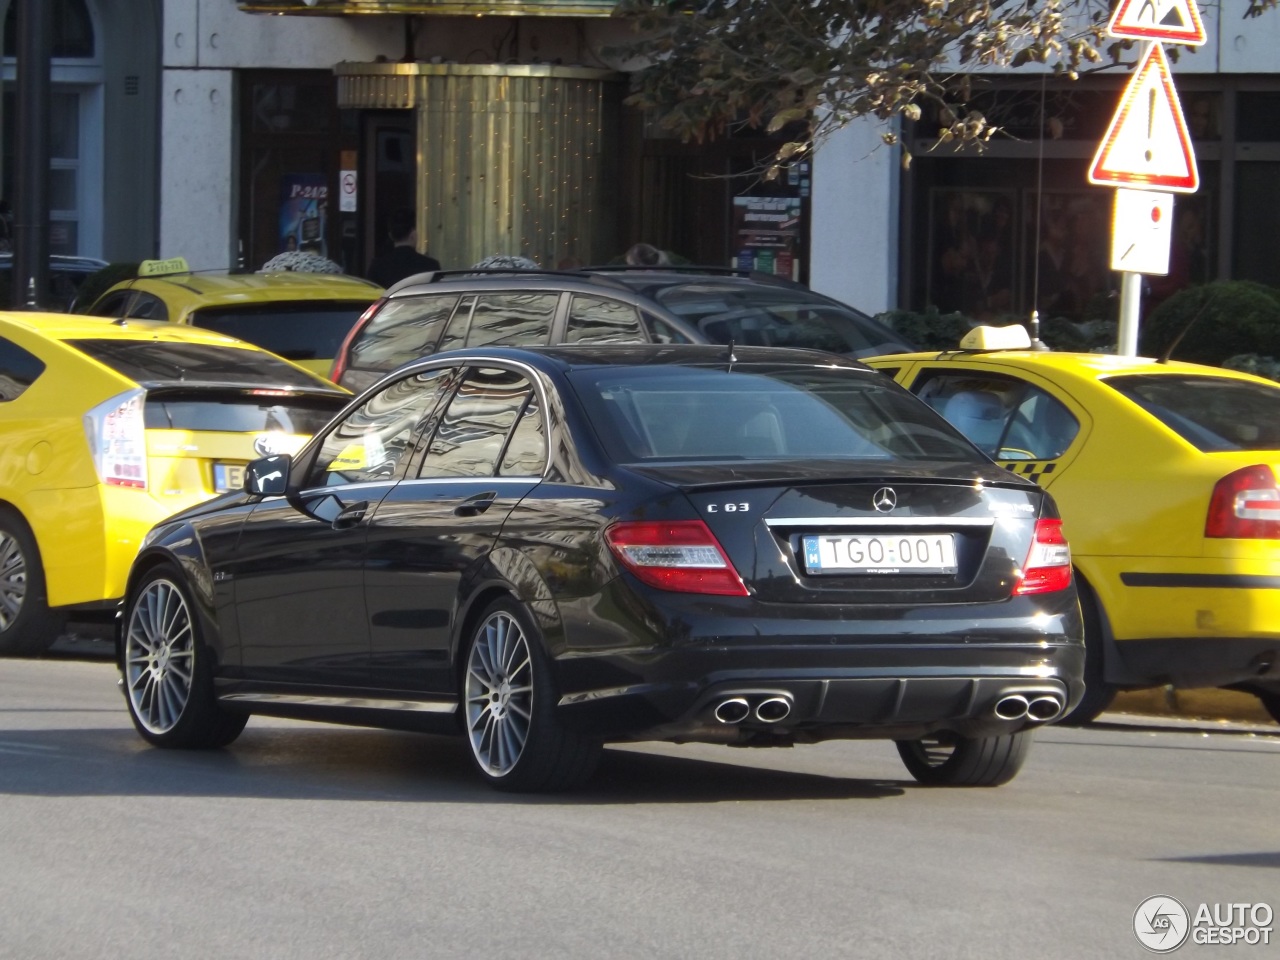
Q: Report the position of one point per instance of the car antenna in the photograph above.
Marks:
(729, 353)
(1168, 352)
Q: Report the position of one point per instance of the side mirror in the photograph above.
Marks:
(268, 477)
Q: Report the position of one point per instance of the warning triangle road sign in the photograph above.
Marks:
(1147, 146)
(1172, 21)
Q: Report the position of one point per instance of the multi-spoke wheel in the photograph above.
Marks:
(946, 759)
(167, 678)
(517, 741)
(27, 625)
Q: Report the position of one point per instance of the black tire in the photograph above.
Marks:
(1098, 694)
(516, 740)
(949, 760)
(168, 669)
(27, 625)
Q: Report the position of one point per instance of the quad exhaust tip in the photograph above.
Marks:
(1040, 708)
(1012, 707)
(1044, 708)
(733, 710)
(770, 709)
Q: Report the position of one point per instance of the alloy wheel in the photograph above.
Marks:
(499, 694)
(936, 749)
(13, 580)
(159, 656)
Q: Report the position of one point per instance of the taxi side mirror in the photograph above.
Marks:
(268, 477)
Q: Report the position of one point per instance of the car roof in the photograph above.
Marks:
(70, 326)
(236, 288)
(570, 356)
(1070, 366)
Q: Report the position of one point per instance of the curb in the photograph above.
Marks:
(1205, 704)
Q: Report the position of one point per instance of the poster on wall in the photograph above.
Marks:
(304, 205)
(766, 234)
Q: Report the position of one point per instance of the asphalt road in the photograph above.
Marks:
(310, 841)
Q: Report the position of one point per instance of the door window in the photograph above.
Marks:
(600, 320)
(18, 370)
(147, 307)
(526, 454)
(512, 318)
(473, 431)
(1006, 418)
(373, 441)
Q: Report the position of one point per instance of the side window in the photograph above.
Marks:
(455, 333)
(599, 320)
(113, 304)
(371, 442)
(663, 332)
(513, 318)
(890, 372)
(147, 307)
(404, 329)
(473, 431)
(18, 370)
(526, 453)
(1007, 418)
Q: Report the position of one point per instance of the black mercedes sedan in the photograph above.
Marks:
(549, 549)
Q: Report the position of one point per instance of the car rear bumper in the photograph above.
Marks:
(849, 674)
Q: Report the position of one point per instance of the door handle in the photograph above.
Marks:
(474, 506)
(351, 515)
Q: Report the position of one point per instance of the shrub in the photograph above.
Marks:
(98, 283)
(1252, 363)
(1220, 319)
(928, 330)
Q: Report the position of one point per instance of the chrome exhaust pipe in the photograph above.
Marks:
(733, 710)
(1044, 708)
(1012, 707)
(773, 709)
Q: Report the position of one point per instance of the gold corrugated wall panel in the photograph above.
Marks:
(514, 165)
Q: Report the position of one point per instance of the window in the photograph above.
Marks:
(526, 454)
(18, 370)
(1212, 413)
(303, 330)
(597, 320)
(760, 412)
(663, 332)
(147, 307)
(112, 305)
(174, 362)
(403, 330)
(1006, 418)
(372, 442)
(512, 318)
(470, 438)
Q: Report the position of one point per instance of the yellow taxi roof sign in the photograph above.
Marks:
(162, 268)
(1012, 337)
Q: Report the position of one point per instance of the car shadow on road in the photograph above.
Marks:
(364, 765)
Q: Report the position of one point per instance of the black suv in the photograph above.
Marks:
(450, 309)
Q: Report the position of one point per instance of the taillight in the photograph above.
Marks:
(1048, 565)
(117, 432)
(344, 352)
(681, 555)
(1245, 506)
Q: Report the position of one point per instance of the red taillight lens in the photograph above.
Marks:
(682, 555)
(344, 352)
(1048, 565)
(1245, 506)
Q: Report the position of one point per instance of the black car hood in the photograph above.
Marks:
(689, 476)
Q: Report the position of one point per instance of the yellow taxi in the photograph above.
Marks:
(1167, 475)
(303, 317)
(106, 428)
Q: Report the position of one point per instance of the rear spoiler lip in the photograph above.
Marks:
(160, 386)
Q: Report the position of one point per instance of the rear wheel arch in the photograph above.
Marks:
(1101, 656)
(34, 626)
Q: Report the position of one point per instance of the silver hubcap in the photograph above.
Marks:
(13, 580)
(499, 694)
(159, 654)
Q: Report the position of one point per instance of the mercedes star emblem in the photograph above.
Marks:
(885, 500)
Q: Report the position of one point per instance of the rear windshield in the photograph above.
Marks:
(231, 411)
(761, 412)
(1213, 413)
(765, 316)
(156, 360)
(406, 328)
(306, 330)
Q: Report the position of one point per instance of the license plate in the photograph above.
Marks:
(880, 553)
(227, 477)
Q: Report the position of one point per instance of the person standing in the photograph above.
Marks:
(403, 259)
